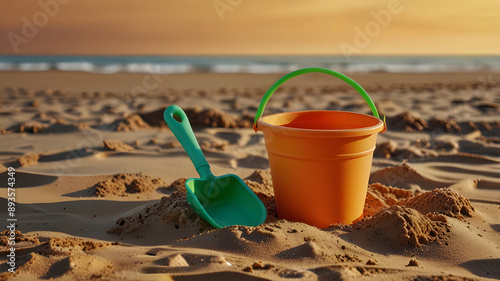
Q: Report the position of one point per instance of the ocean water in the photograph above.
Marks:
(247, 64)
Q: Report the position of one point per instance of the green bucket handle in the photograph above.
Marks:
(298, 72)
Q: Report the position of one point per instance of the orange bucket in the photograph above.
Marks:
(320, 160)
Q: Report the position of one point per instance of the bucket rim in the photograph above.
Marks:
(377, 128)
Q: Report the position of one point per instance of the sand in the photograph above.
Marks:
(99, 182)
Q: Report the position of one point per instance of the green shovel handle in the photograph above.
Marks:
(283, 79)
(184, 133)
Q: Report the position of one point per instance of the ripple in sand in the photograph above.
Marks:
(27, 179)
(82, 267)
(410, 221)
(404, 176)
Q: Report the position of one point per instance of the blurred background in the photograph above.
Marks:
(249, 36)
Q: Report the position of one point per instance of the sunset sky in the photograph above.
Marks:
(171, 27)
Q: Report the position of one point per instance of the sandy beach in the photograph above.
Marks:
(99, 178)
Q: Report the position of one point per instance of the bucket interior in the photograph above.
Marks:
(322, 120)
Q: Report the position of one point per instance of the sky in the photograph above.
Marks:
(246, 27)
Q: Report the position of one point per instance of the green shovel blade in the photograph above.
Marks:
(221, 201)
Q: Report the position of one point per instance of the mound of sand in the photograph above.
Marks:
(28, 159)
(401, 226)
(262, 185)
(154, 118)
(409, 122)
(211, 118)
(56, 246)
(117, 146)
(175, 261)
(308, 249)
(385, 149)
(260, 182)
(441, 200)
(20, 239)
(415, 220)
(123, 184)
(400, 219)
(170, 210)
(130, 123)
(380, 196)
(406, 121)
(390, 149)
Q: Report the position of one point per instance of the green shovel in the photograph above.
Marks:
(221, 201)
